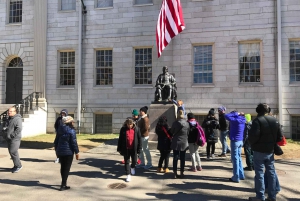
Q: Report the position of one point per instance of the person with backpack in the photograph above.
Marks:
(211, 124)
(162, 131)
(192, 140)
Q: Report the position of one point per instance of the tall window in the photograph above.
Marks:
(143, 66)
(68, 4)
(294, 61)
(15, 11)
(103, 123)
(200, 118)
(104, 3)
(141, 2)
(295, 127)
(203, 73)
(104, 71)
(249, 62)
(67, 68)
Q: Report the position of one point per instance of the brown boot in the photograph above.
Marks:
(159, 170)
(167, 170)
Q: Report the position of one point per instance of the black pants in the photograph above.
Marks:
(130, 153)
(164, 157)
(212, 145)
(176, 156)
(65, 166)
(249, 155)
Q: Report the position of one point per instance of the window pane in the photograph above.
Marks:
(249, 62)
(67, 68)
(15, 12)
(294, 61)
(203, 64)
(104, 3)
(143, 66)
(68, 4)
(143, 1)
(104, 71)
(295, 127)
(103, 123)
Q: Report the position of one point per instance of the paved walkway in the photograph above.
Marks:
(100, 167)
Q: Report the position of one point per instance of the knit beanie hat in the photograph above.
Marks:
(222, 108)
(190, 116)
(144, 109)
(211, 111)
(135, 112)
(248, 117)
(67, 119)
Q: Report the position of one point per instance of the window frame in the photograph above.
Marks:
(260, 83)
(144, 4)
(134, 66)
(95, 68)
(103, 8)
(213, 65)
(291, 83)
(8, 14)
(60, 7)
(59, 67)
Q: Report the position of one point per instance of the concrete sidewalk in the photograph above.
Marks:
(90, 176)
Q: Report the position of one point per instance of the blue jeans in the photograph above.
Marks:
(277, 182)
(236, 158)
(223, 138)
(261, 162)
(145, 149)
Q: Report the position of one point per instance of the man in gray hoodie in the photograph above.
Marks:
(12, 132)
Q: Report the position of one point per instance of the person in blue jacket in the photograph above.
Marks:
(65, 146)
(237, 126)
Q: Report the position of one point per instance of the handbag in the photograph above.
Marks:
(277, 150)
(282, 142)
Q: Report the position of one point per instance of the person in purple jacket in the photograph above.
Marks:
(237, 126)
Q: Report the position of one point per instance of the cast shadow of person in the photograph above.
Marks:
(109, 169)
(27, 183)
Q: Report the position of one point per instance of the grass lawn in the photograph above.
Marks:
(85, 141)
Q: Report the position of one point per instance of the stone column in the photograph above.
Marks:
(40, 42)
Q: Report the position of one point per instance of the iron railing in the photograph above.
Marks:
(24, 106)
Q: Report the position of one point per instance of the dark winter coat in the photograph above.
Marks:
(246, 134)
(180, 130)
(194, 133)
(58, 121)
(65, 141)
(264, 133)
(210, 125)
(12, 128)
(224, 124)
(163, 142)
(122, 142)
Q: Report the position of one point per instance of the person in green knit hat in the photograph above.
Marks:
(247, 147)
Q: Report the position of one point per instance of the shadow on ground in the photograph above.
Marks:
(27, 183)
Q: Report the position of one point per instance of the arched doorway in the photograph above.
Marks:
(14, 81)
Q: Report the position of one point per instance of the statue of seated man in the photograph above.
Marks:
(165, 86)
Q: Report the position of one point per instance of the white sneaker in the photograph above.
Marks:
(128, 178)
(56, 161)
(132, 170)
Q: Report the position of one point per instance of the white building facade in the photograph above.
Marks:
(227, 55)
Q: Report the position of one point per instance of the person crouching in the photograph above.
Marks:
(129, 145)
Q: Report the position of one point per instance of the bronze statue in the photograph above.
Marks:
(165, 86)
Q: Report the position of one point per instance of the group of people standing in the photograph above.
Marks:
(258, 137)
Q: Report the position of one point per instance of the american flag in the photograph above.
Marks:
(170, 23)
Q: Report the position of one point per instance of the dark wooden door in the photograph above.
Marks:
(14, 85)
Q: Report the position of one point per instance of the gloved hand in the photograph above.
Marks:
(77, 156)
(208, 122)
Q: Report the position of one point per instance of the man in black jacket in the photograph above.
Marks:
(263, 135)
(224, 131)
